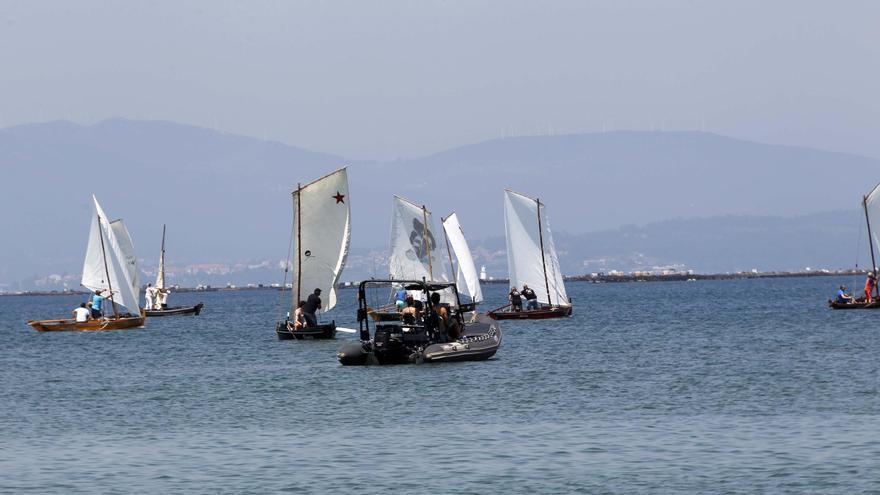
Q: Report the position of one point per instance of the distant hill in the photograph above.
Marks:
(226, 198)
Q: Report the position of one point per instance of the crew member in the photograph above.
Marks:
(97, 302)
(313, 304)
(82, 314)
(531, 297)
(515, 299)
(869, 287)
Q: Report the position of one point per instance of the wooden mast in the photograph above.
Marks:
(106, 268)
(543, 260)
(298, 244)
(426, 241)
(870, 241)
(162, 258)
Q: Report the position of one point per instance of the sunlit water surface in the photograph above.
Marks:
(721, 386)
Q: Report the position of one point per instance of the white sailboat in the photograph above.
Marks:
(466, 277)
(871, 207)
(320, 239)
(110, 266)
(161, 309)
(532, 259)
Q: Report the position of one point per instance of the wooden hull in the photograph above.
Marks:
(285, 331)
(854, 305)
(190, 310)
(69, 325)
(544, 313)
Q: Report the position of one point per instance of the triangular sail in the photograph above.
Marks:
(527, 263)
(321, 233)
(126, 255)
(466, 276)
(414, 249)
(120, 261)
(160, 275)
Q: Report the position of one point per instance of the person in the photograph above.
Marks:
(313, 304)
(410, 314)
(299, 320)
(400, 298)
(515, 299)
(149, 297)
(531, 297)
(448, 325)
(82, 314)
(869, 287)
(842, 296)
(162, 298)
(97, 302)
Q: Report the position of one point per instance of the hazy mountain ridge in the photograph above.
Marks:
(226, 198)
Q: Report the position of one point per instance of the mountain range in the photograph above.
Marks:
(617, 200)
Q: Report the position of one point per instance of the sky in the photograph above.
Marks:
(390, 79)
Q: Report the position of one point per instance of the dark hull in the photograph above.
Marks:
(179, 310)
(544, 313)
(285, 331)
(480, 341)
(854, 305)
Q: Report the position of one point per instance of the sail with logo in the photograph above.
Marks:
(532, 262)
(414, 254)
(320, 238)
(110, 268)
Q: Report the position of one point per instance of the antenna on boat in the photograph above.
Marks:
(543, 260)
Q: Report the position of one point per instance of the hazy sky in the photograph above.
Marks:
(371, 79)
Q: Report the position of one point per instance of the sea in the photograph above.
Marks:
(728, 386)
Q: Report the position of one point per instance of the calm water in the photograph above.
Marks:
(727, 386)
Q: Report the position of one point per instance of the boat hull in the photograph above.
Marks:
(544, 313)
(179, 310)
(285, 331)
(70, 325)
(854, 305)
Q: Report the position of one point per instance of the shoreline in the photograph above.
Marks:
(597, 278)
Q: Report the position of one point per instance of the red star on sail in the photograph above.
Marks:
(340, 198)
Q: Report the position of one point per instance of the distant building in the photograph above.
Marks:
(483, 275)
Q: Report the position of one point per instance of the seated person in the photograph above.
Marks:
(410, 314)
(449, 324)
(299, 319)
(842, 296)
(82, 313)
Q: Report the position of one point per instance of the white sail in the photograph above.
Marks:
(872, 210)
(160, 275)
(321, 232)
(104, 246)
(526, 262)
(126, 255)
(466, 274)
(414, 253)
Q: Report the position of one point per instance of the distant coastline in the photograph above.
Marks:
(593, 278)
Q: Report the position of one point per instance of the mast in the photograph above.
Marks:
(543, 260)
(106, 268)
(162, 258)
(298, 243)
(426, 241)
(870, 239)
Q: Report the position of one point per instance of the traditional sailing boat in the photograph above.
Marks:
(110, 266)
(466, 277)
(531, 259)
(162, 310)
(319, 239)
(871, 207)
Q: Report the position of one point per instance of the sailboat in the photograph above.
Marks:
(871, 207)
(110, 266)
(160, 284)
(531, 259)
(319, 240)
(466, 277)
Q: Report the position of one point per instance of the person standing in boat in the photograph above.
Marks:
(97, 303)
(149, 297)
(531, 297)
(400, 298)
(162, 298)
(870, 282)
(313, 304)
(515, 299)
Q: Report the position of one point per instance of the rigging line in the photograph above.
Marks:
(859, 243)
(287, 264)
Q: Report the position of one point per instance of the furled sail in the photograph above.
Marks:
(414, 253)
(109, 261)
(321, 232)
(160, 275)
(466, 277)
(528, 231)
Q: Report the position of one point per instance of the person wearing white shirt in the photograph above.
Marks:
(150, 297)
(81, 314)
(162, 298)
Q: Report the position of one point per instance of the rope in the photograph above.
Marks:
(859, 243)
(287, 264)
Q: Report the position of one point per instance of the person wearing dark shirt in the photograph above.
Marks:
(313, 304)
(515, 299)
(531, 297)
